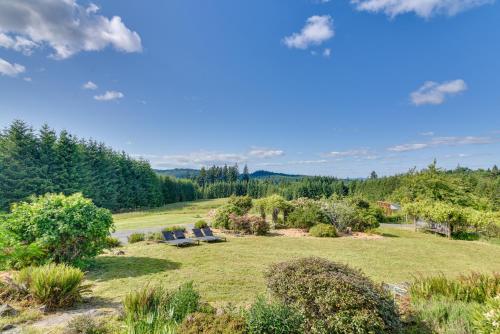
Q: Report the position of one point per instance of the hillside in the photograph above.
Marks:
(187, 173)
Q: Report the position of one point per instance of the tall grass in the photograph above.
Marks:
(155, 310)
(53, 285)
(474, 287)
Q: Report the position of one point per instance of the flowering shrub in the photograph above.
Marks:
(487, 317)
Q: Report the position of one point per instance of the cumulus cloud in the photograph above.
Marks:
(436, 93)
(327, 52)
(89, 85)
(64, 25)
(110, 95)
(423, 8)
(10, 69)
(442, 141)
(265, 153)
(318, 29)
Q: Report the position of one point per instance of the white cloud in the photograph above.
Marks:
(265, 153)
(64, 25)
(110, 95)
(350, 153)
(317, 30)
(10, 69)
(423, 8)
(327, 52)
(427, 133)
(294, 162)
(198, 159)
(442, 141)
(28, 79)
(435, 93)
(89, 85)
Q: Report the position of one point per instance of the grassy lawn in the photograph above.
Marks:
(233, 271)
(171, 214)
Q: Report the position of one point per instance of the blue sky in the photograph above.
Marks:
(306, 86)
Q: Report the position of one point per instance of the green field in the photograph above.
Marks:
(233, 271)
(171, 214)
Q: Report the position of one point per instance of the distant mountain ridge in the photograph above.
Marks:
(186, 173)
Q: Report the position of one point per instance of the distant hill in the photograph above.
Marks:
(183, 173)
(180, 173)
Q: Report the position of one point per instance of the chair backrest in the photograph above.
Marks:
(208, 232)
(168, 235)
(197, 233)
(179, 234)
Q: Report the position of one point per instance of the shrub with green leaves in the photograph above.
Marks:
(112, 242)
(53, 285)
(243, 203)
(155, 310)
(136, 237)
(248, 224)
(200, 224)
(69, 229)
(16, 255)
(222, 216)
(486, 318)
(475, 287)
(333, 298)
(203, 323)
(323, 231)
(174, 228)
(306, 213)
(273, 318)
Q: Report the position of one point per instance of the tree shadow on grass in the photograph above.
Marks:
(112, 267)
(389, 235)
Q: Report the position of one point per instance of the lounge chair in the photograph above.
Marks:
(200, 236)
(179, 235)
(171, 240)
(208, 233)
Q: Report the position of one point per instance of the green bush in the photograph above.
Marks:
(243, 203)
(273, 318)
(16, 255)
(154, 236)
(202, 323)
(112, 242)
(323, 231)
(200, 224)
(474, 287)
(86, 325)
(174, 228)
(306, 213)
(333, 297)
(222, 216)
(486, 318)
(69, 229)
(155, 310)
(136, 237)
(53, 285)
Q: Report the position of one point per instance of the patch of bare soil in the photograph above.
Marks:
(365, 236)
(290, 232)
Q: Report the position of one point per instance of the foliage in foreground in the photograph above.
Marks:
(53, 285)
(475, 287)
(155, 310)
(69, 229)
(333, 297)
(136, 237)
(87, 325)
(274, 318)
(14, 254)
(487, 318)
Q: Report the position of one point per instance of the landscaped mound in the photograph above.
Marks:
(333, 297)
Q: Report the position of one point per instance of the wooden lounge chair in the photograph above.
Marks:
(208, 233)
(171, 240)
(179, 235)
(200, 236)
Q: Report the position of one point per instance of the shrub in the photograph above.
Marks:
(69, 229)
(353, 213)
(222, 216)
(112, 242)
(154, 236)
(486, 318)
(53, 285)
(273, 318)
(333, 297)
(202, 323)
(200, 224)
(16, 255)
(474, 287)
(174, 228)
(86, 325)
(306, 213)
(323, 231)
(243, 203)
(136, 237)
(155, 310)
(248, 224)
